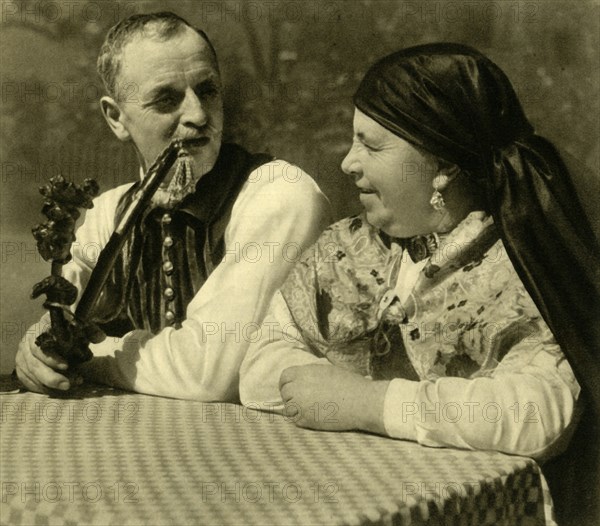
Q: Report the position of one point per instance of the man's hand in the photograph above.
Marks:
(41, 371)
(330, 398)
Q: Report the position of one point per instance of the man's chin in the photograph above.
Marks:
(193, 165)
(182, 182)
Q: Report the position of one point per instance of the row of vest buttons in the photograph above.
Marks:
(168, 268)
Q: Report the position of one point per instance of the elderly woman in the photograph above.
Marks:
(450, 303)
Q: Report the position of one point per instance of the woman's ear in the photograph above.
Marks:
(114, 117)
(446, 173)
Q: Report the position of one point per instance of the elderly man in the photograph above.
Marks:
(200, 268)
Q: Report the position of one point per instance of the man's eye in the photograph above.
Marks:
(166, 102)
(208, 89)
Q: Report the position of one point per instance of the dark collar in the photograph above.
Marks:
(418, 247)
(214, 188)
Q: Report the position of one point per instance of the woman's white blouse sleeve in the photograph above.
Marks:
(525, 406)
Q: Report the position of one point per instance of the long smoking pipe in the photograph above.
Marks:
(155, 175)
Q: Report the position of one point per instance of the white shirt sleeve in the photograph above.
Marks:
(278, 213)
(527, 410)
(279, 346)
(92, 235)
(531, 411)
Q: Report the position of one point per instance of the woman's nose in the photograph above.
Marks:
(192, 110)
(350, 165)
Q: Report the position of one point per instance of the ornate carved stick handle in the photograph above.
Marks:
(54, 240)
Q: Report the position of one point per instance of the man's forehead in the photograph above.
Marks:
(185, 51)
(185, 41)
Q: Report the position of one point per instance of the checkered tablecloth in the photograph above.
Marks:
(108, 457)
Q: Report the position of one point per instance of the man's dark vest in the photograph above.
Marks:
(170, 253)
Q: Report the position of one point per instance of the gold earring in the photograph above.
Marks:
(440, 182)
(437, 201)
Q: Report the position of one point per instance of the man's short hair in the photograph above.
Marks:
(162, 25)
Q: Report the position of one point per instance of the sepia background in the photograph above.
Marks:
(290, 68)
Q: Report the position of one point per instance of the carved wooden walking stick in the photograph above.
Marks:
(71, 333)
(67, 336)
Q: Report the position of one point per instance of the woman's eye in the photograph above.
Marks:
(365, 145)
(371, 148)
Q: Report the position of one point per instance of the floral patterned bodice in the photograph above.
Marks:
(467, 310)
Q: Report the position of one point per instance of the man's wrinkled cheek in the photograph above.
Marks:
(157, 125)
(170, 129)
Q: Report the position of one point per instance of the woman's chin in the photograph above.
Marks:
(382, 224)
(393, 229)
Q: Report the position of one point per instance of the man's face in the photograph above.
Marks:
(173, 92)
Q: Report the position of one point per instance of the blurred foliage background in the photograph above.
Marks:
(290, 68)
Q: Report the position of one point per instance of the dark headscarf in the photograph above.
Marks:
(458, 105)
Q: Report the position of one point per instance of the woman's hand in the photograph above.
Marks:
(330, 398)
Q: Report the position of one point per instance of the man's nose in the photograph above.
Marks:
(350, 165)
(192, 111)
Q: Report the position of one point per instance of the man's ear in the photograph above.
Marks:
(114, 117)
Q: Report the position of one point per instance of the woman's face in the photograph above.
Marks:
(394, 179)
